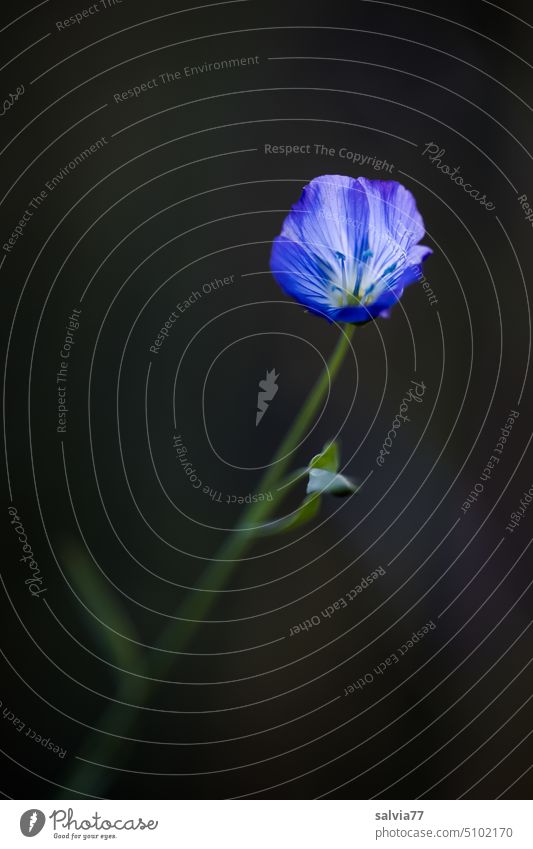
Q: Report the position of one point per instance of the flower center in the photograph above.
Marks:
(343, 291)
(351, 288)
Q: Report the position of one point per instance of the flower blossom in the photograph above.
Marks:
(349, 247)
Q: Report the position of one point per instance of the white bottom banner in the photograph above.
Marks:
(267, 824)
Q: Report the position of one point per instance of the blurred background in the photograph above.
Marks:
(184, 195)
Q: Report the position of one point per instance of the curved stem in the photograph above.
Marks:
(134, 689)
(217, 574)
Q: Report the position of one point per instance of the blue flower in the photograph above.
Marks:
(349, 247)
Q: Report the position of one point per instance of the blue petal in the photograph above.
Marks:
(331, 217)
(413, 266)
(302, 274)
(394, 228)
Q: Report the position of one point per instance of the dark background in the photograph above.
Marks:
(185, 194)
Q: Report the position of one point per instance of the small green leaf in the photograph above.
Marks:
(305, 512)
(328, 458)
(323, 479)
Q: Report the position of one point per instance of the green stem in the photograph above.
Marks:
(193, 610)
(196, 606)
